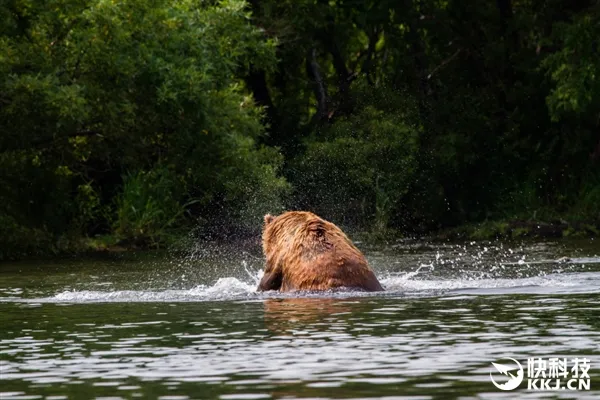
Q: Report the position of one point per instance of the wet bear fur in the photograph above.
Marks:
(306, 252)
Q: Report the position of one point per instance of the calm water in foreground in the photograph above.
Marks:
(193, 327)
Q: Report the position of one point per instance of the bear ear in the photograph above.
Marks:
(268, 219)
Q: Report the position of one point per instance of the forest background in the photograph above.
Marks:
(136, 122)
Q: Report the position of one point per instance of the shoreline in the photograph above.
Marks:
(108, 246)
(520, 229)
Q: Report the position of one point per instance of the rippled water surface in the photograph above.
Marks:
(174, 327)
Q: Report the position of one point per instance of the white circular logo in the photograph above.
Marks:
(513, 381)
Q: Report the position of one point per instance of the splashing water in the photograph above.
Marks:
(216, 273)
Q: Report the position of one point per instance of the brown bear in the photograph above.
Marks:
(305, 252)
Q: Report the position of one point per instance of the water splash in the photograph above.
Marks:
(224, 289)
(405, 285)
(217, 273)
(553, 283)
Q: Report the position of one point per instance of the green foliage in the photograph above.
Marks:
(489, 230)
(506, 105)
(587, 205)
(93, 89)
(253, 188)
(149, 206)
(575, 68)
(139, 119)
(17, 240)
(360, 169)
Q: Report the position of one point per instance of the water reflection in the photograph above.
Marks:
(292, 314)
(310, 347)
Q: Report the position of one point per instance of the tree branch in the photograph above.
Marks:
(444, 63)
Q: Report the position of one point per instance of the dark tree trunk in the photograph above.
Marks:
(507, 31)
(421, 71)
(368, 63)
(319, 87)
(506, 13)
(257, 82)
(344, 75)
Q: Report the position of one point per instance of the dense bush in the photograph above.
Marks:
(359, 170)
(151, 203)
(505, 101)
(94, 93)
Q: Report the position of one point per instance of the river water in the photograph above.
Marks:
(192, 326)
